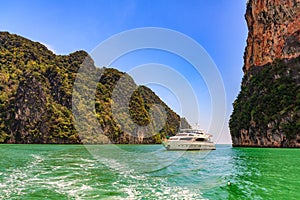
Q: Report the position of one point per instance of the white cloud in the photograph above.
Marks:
(49, 47)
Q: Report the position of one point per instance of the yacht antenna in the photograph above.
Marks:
(197, 125)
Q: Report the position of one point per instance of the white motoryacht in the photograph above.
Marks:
(190, 139)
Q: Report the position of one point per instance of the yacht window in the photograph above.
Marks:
(181, 134)
(200, 139)
(186, 138)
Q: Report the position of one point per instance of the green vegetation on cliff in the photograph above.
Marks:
(266, 111)
(36, 88)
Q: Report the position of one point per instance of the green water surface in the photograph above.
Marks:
(147, 172)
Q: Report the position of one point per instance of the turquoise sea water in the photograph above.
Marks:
(147, 172)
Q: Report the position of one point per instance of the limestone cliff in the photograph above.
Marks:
(274, 31)
(36, 99)
(266, 112)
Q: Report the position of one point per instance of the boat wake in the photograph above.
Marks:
(85, 178)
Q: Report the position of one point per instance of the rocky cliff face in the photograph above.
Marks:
(266, 112)
(274, 31)
(36, 99)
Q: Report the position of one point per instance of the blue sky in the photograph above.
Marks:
(218, 26)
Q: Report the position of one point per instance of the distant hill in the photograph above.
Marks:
(36, 99)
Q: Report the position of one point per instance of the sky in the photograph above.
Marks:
(218, 26)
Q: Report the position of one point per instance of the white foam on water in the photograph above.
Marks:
(19, 181)
(157, 191)
(62, 179)
(137, 186)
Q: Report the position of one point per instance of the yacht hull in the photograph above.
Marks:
(176, 145)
